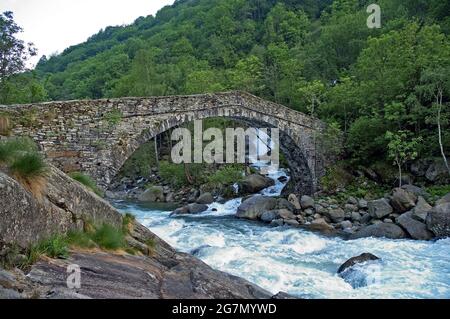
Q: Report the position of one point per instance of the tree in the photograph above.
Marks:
(313, 93)
(402, 148)
(13, 52)
(435, 83)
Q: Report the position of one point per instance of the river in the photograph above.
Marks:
(297, 261)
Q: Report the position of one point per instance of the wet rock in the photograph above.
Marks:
(283, 295)
(193, 195)
(380, 230)
(197, 208)
(180, 211)
(283, 179)
(253, 207)
(346, 224)
(335, 215)
(322, 226)
(254, 183)
(379, 208)
(357, 260)
(293, 199)
(277, 222)
(269, 216)
(421, 210)
(438, 220)
(415, 229)
(307, 202)
(153, 194)
(205, 198)
(403, 200)
(292, 223)
(352, 201)
(350, 208)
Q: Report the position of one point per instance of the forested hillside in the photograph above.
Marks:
(318, 57)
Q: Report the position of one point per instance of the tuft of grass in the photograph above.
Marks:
(80, 239)
(54, 247)
(227, 175)
(128, 221)
(87, 181)
(109, 237)
(28, 166)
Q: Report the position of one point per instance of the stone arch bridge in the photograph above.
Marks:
(96, 137)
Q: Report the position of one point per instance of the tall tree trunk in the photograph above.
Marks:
(439, 100)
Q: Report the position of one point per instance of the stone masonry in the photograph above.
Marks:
(96, 137)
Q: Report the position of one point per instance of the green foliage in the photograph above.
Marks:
(87, 181)
(228, 174)
(22, 158)
(337, 177)
(365, 140)
(437, 191)
(173, 173)
(53, 247)
(109, 237)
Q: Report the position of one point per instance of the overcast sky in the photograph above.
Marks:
(53, 25)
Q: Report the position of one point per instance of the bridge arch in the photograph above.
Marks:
(97, 137)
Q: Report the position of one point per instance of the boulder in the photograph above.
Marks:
(153, 194)
(180, 211)
(197, 208)
(255, 206)
(322, 226)
(286, 214)
(335, 215)
(346, 224)
(416, 191)
(380, 230)
(283, 203)
(356, 216)
(438, 220)
(402, 200)
(255, 183)
(437, 171)
(293, 199)
(443, 200)
(357, 260)
(269, 216)
(414, 228)
(307, 202)
(292, 223)
(205, 198)
(421, 210)
(379, 208)
(277, 222)
(362, 204)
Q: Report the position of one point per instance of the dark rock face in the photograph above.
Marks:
(438, 220)
(421, 210)
(357, 260)
(379, 208)
(415, 229)
(380, 230)
(254, 183)
(253, 207)
(402, 200)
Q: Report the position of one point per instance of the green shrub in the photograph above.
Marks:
(127, 222)
(228, 174)
(80, 239)
(28, 165)
(54, 247)
(173, 173)
(88, 182)
(109, 237)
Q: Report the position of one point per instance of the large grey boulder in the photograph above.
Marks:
(255, 183)
(336, 215)
(253, 207)
(269, 216)
(416, 191)
(293, 199)
(205, 198)
(421, 210)
(380, 230)
(437, 171)
(415, 229)
(307, 202)
(153, 194)
(438, 220)
(379, 208)
(197, 208)
(402, 200)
